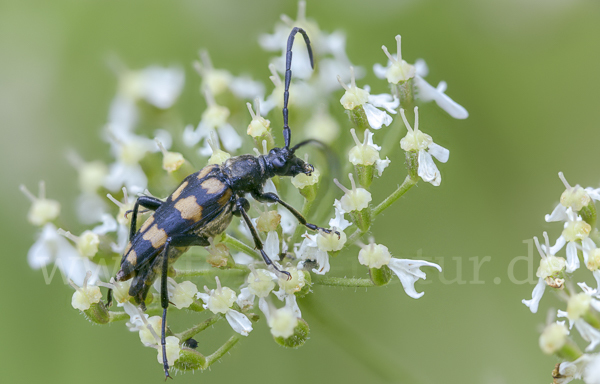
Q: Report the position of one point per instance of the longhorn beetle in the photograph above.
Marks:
(203, 206)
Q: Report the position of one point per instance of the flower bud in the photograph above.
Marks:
(578, 306)
(297, 338)
(42, 210)
(294, 284)
(219, 255)
(190, 360)
(330, 242)
(307, 184)
(268, 221)
(553, 338)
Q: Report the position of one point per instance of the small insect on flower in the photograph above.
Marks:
(203, 206)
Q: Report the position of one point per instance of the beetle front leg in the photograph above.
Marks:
(239, 207)
(269, 197)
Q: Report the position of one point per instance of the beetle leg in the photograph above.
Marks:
(148, 202)
(151, 203)
(257, 242)
(269, 197)
(172, 241)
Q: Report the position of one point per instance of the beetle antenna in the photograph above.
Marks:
(288, 77)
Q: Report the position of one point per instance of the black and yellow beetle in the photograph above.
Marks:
(203, 206)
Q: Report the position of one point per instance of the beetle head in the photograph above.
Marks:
(284, 162)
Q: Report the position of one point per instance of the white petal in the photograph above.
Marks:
(537, 294)
(41, 252)
(339, 221)
(245, 298)
(165, 139)
(323, 261)
(386, 101)
(408, 272)
(246, 88)
(162, 86)
(271, 245)
(428, 171)
(439, 152)
(242, 258)
(122, 115)
(292, 304)
(288, 221)
(230, 138)
(191, 136)
(421, 68)
(572, 257)
(263, 305)
(558, 214)
(109, 224)
(239, 322)
(90, 208)
(380, 165)
(376, 117)
(426, 92)
(593, 193)
(130, 176)
(380, 70)
(560, 243)
(588, 333)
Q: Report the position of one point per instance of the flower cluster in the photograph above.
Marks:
(577, 213)
(151, 153)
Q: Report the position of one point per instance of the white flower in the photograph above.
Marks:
(573, 197)
(172, 161)
(87, 244)
(374, 255)
(355, 199)
(120, 290)
(261, 282)
(422, 143)
(310, 251)
(282, 322)
(214, 118)
(180, 294)
(42, 210)
(322, 126)
(220, 300)
(588, 333)
(218, 156)
(156, 85)
(259, 126)
(216, 81)
(554, 337)
(575, 229)
(85, 296)
(51, 247)
(397, 70)
(356, 97)
(591, 372)
(568, 371)
(367, 153)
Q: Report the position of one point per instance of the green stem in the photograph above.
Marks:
(222, 350)
(198, 328)
(402, 189)
(236, 269)
(239, 246)
(349, 282)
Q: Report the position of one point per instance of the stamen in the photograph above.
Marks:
(537, 244)
(161, 147)
(117, 202)
(213, 141)
(275, 76)
(264, 145)
(42, 191)
(88, 274)
(251, 111)
(219, 288)
(405, 121)
(352, 181)
(387, 53)
(28, 194)
(288, 20)
(301, 16)
(399, 48)
(547, 242)
(206, 59)
(341, 186)
(343, 84)
(353, 133)
(352, 79)
(67, 234)
(564, 181)
(416, 119)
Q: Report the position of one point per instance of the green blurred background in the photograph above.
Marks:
(528, 73)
